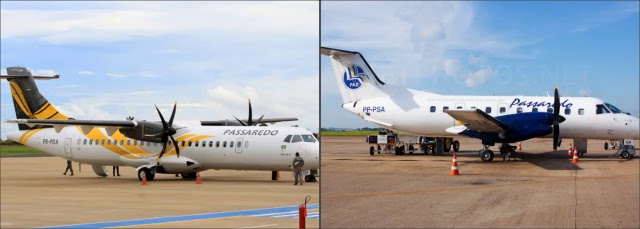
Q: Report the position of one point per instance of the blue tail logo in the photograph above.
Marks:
(354, 77)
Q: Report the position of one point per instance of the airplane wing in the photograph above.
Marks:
(86, 125)
(236, 123)
(478, 120)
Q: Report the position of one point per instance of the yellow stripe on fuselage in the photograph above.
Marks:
(26, 139)
(24, 134)
(96, 134)
(131, 148)
(171, 150)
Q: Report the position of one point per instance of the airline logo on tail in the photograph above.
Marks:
(354, 77)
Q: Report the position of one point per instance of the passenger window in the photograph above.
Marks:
(128, 142)
(108, 142)
(246, 144)
(580, 111)
(432, 109)
(121, 142)
(296, 138)
(90, 141)
(231, 144)
(204, 143)
(445, 109)
(197, 144)
(79, 141)
(487, 110)
(473, 108)
(217, 143)
(210, 143)
(287, 139)
(148, 143)
(567, 111)
(519, 110)
(84, 142)
(141, 143)
(549, 110)
(239, 144)
(458, 108)
(503, 110)
(189, 143)
(535, 109)
(102, 143)
(182, 143)
(224, 144)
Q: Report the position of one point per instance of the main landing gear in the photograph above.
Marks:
(506, 151)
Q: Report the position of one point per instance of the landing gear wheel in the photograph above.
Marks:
(411, 149)
(146, 173)
(456, 146)
(625, 154)
(189, 176)
(486, 155)
(447, 144)
(606, 146)
(310, 178)
(371, 150)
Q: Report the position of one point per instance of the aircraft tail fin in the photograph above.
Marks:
(355, 77)
(27, 100)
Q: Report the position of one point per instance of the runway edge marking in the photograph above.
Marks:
(182, 218)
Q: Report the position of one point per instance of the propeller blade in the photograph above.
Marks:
(556, 118)
(556, 133)
(173, 113)
(175, 144)
(260, 119)
(240, 121)
(250, 119)
(164, 147)
(164, 124)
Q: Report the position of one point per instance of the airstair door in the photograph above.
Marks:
(67, 148)
(239, 144)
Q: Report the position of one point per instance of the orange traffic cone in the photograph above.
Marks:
(198, 180)
(144, 180)
(519, 146)
(454, 166)
(575, 156)
(570, 152)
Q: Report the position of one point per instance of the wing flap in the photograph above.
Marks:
(478, 120)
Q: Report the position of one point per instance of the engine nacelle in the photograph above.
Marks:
(173, 164)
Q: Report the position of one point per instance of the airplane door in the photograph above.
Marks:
(239, 144)
(67, 148)
(456, 123)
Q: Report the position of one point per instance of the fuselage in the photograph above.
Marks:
(422, 113)
(213, 147)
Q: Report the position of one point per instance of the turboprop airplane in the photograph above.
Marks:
(492, 119)
(180, 147)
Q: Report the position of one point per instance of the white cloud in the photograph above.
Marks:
(69, 86)
(147, 74)
(117, 75)
(478, 77)
(451, 67)
(142, 93)
(133, 20)
(85, 72)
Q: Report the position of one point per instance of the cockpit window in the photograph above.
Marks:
(296, 138)
(613, 109)
(308, 138)
(600, 109)
(287, 139)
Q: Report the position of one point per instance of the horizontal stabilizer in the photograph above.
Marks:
(34, 77)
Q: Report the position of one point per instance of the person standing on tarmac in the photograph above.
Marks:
(68, 168)
(298, 162)
(116, 168)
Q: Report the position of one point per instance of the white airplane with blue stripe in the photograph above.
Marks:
(492, 119)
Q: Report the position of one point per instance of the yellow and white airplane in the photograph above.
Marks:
(180, 147)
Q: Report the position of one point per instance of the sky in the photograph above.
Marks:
(487, 48)
(118, 59)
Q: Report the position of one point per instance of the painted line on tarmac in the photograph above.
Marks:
(571, 179)
(183, 218)
(268, 225)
